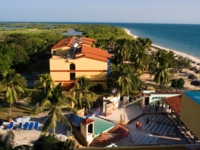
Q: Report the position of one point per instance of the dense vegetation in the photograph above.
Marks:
(27, 50)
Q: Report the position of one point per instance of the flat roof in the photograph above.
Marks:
(194, 95)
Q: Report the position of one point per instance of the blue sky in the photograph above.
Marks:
(142, 11)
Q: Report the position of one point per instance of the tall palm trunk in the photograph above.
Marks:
(54, 131)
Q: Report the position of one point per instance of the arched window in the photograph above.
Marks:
(72, 74)
(72, 67)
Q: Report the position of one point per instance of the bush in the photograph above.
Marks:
(178, 83)
(50, 142)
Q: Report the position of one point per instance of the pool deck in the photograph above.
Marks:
(160, 131)
(129, 113)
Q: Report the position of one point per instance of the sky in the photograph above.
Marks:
(133, 11)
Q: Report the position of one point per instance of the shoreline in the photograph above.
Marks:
(193, 58)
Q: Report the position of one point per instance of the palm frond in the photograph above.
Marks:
(19, 89)
(50, 123)
(8, 139)
(64, 120)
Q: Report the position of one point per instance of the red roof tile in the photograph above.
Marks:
(95, 51)
(89, 39)
(88, 51)
(92, 56)
(61, 43)
(70, 42)
(87, 121)
(174, 103)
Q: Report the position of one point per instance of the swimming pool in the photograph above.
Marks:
(101, 125)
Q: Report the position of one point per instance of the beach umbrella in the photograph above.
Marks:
(197, 71)
(192, 77)
(193, 69)
(195, 83)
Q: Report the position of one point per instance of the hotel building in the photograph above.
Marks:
(74, 57)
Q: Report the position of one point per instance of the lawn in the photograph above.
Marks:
(17, 110)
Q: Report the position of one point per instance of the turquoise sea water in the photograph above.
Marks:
(181, 37)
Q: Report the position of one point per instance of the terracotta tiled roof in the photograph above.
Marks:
(87, 42)
(89, 39)
(70, 42)
(95, 51)
(167, 92)
(87, 121)
(92, 56)
(174, 103)
(61, 43)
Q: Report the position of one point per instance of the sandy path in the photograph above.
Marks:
(150, 83)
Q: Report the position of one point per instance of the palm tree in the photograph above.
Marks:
(165, 61)
(140, 61)
(15, 84)
(45, 81)
(11, 95)
(8, 76)
(122, 49)
(56, 102)
(100, 43)
(82, 91)
(144, 43)
(124, 79)
(7, 140)
(162, 76)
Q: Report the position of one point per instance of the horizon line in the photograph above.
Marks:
(95, 22)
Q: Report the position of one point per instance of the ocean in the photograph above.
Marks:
(180, 37)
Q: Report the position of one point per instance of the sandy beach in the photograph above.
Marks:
(193, 58)
(149, 79)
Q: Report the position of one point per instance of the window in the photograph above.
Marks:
(72, 67)
(54, 52)
(90, 128)
(72, 74)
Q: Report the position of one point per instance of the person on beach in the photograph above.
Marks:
(125, 134)
(140, 125)
(147, 120)
(137, 124)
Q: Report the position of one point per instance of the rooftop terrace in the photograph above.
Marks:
(194, 95)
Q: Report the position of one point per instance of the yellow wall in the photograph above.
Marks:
(90, 68)
(190, 111)
(81, 64)
(61, 51)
